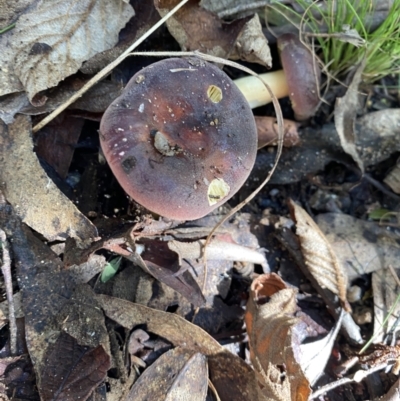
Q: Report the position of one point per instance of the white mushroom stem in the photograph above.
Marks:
(257, 94)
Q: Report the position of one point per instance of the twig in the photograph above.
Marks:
(6, 270)
(105, 71)
(357, 377)
(381, 187)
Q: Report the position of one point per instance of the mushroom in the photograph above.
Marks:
(299, 79)
(181, 139)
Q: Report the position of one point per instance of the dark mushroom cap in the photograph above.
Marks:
(181, 139)
(302, 73)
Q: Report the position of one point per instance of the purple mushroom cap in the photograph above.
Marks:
(181, 139)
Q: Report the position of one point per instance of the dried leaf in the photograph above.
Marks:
(217, 250)
(179, 374)
(51, 41)
(56, 142)
(36, 199)
(346, 109)
(163, 264)
(316, 354)
(351, 36)
(232, 377)
(385, 290)
(72, 371)
(393, 179)
(51, 299)
(362, 246)
(318, 254)
(195, 28)
(272, 330)
(145, 17)
(252, 45)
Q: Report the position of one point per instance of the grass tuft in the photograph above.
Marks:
(344, 34)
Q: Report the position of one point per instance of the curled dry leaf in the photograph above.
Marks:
(267, 130)
(318, 254)
(179, 374)
(36, 199)
(252, 45)
(393, 179)
(272, 330)
(346, 108)
(72, 371)
(51, 41)
(231, 376)
(362, 246)
(195, 28)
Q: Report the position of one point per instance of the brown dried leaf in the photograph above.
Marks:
(267, 132)
(179, 374)
(95, 100)
(346, 109)
(51, 41)
(51, 299)
(272, 334)
(56, 142)
(163, 264)
(252, 45)
(232, 377)
(36, 199)
(195, 28)
(318, 254)
(72, 371)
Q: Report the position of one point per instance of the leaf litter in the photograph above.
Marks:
(169, 321)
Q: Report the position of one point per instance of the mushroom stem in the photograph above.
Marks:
(257, 94)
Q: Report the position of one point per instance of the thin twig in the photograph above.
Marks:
(6, 270)
(105, 71)
(356, 378)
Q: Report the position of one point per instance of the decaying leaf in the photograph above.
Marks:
(385, 290)
(316, 354)
(95, 100)
(231, 376)
(72, 371)
(51, 41)
(178, 374)
(346, 109)
(252, 45)
(145, 17)
(393, 179)
(272, 330)
(35, 197)
(217, 250)
(362, 246)
(52, 301)
(351, 36)
(318, 254)
(267, 132)
(56, 142)
(195, 28)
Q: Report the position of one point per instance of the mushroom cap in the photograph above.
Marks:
(181, 139)
(303, 75)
